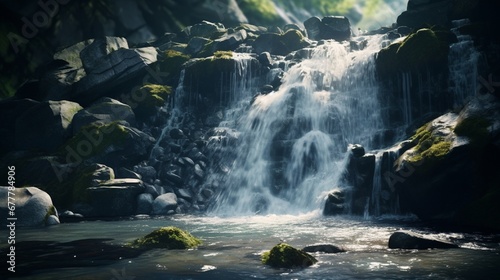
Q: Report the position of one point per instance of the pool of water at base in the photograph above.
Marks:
(232, 247)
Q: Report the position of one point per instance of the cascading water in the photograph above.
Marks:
(293, 141)
(463, 60)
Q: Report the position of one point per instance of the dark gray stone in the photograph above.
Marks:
(411, 240)
(115, 201)
(145, 203)
(323, 248)
(92, 54)
(165, 204)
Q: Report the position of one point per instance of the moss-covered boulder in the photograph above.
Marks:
(148, 99)
(425, 49)
(167, 238)
(451, 172)
(280, 44)
(170, 64)
(286, 256)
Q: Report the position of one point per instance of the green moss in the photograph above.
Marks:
(428, 147)
(285, 256)
(94, 139)
(422, 48)
(171, 61)
(222, 55)
(150, 97)
(167, 238)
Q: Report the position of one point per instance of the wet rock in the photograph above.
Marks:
(145, 203)
(279, 44)
(184, 194)
(168, 238)
(115, 198)
(49, 122)
(323, 248)
(123, 172)
(165, 204)
(105, 110)
(198, 171)
(174, 178)
(70, 217)
(286, 256)
(52, 220)
(410, 240)
(330, 27)
(92, 54)
(231, 41)
(148, 173)
(206, 29)
(334, 204)
(33, 207)
(197, 44)
(357, 150)
(265, 59)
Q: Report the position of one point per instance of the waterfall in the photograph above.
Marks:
(292, 142)
(463, 59)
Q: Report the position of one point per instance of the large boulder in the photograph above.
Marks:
(450, 173)
(286, 256)
(165, 204)
(280, 44)
(411, 240)
(45, 126)
(92, 54)
(32, 207)
(105, 110)
(331, 27)
(115, 198)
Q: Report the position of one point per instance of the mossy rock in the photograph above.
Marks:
(150, 97)
(167, 238)
(286, 256)
(425, 49)
(422, 49)
(94, 139)
(171, 62)
(280, 44)
(429, 148)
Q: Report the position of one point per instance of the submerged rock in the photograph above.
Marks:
(411, 240)
(168, 238)
(286, 256)
(323, 248)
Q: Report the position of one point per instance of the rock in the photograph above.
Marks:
(45, 126)
(33, 207)
(197, 44)
(92, 54)
(123, 172)
(359, 174)
(113, 144)
(185, 194)
(115, 198)
(145, 203)
(112, 71)
(323, 248)
(165, 204)
(52, 220)
(105, 110)
(198, 171)
(70, 217)
(447, 176)
(285, 256)
(279, 44)
(146, 101)
(357, 150)
(174, 178)
(410, 240)
(148, 173)
(230, 42)
(330, 27)
(334, 204)
(265, 59)
(176, 133)
(206, 29)
(168, 238)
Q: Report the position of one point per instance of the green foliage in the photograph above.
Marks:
(261, 11)
(285, 256)
(325, 7)
(167, 238)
